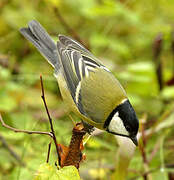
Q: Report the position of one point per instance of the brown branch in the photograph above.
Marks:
(157, 48)
(4, 143)
(143, 145)
(50, 120)
(172, 48)
(48, 154)
(142, 150)
(23, 131)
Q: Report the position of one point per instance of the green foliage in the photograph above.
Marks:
(47, 172)
(120, 33)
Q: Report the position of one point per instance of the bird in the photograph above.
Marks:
(87, 87)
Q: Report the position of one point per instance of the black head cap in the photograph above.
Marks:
(130, 120)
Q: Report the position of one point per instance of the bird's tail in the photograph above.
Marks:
(37, 35)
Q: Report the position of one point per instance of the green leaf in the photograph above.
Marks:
(168, 92)
(47, 172)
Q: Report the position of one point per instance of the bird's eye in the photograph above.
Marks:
(128, 128)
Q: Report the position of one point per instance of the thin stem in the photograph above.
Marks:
(50, 120)
(157, 49)
(172, 49)
(23, 131)
(143, 151)
(48, 155)
(173, 63)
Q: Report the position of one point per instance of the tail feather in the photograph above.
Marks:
(37, 35)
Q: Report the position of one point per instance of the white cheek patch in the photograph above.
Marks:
(116, 125)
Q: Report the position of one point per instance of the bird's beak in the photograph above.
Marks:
(135, 141)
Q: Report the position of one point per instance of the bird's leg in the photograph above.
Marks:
(88, 128)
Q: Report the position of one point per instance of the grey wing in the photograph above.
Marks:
(37, 35)
(70, 43)
(74, 68)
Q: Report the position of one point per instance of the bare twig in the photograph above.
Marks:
(143, 144)
(157, 48)
(4, 143)
(48, 155)
(172, 48)
(142, 150)
(50, 120)
(23, 131)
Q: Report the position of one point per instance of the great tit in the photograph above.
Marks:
(86, 85)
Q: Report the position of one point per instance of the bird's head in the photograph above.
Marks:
(123, 121)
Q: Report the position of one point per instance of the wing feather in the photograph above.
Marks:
(42, 41)
(72, 76)
(72, 44)
(77, 63)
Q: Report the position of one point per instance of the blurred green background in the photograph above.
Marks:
(134, 39)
